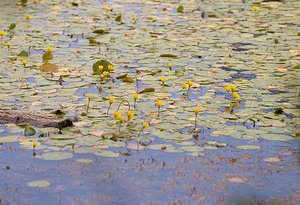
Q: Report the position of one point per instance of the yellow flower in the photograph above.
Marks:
(145, 124)
(170, 66)
(24, 62)
(190, 83)
(227, 88)
(2, 33)
(197, 110)
(122, 119)
(105, 73)
(27, 16)
(8, 44)
(111, 100)
(100, 67)
(50, 48)
(35, 1)
(35, 144)
(255, 7)
(110, 68)
(159, 104)
(90, 96)
(135, 96)
(232, 87)
(116, 114)
(236, 105)
(227, 109)
(163, 80)
(134, 18)
(235, 95)
(185, 86)
(130, 115)
(107, 8)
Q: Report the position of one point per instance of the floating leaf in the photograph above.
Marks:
(272, 159)
(237, 179)
(40, 183)
(84, 160)
(48, 67)
(127, 80)
(248, 147)
(106, 153)
(10, 138)
(180, 9)
(101, 31)
(118, 18)
(29, 131)
(147, 90)
(168, 55)
(47, 55)
(104, 63)
(23, 54)
(55, 155)
(61, 137)
(12, 26)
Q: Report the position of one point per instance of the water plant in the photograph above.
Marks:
(24, 63)
(196, 113)
(27, 16)
(111, 101)
(135, 97)
(88, 105)
(159, 104)
(163, 80)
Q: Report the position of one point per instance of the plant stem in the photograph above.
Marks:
(123, 101)
(108, 108)
(87, 108)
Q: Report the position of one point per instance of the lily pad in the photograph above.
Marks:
(106, 153)
(39, 183)
(104, 63)
(55, 155)
(48, 67)
(84, 160)
(248, 147)
(47, 55)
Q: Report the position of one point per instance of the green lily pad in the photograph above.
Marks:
(147, 90)
(47, 55)
(23, 54)
(101, 31)
(10, 138)
(61, 137)
(103, 63)
(248, 147)
(106, 153)
(278, 137)
(29, 131)
(39, 183)
(84, 160)
(55, 155)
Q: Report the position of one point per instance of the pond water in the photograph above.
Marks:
(242, 150)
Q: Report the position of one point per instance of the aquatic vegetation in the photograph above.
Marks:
(111, 101)
(24, 63)
(159, 104)
(163, 80)
(27, 16)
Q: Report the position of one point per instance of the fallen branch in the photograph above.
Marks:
(34, 120)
